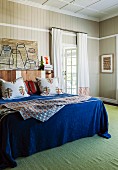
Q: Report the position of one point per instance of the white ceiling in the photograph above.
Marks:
(96, 10)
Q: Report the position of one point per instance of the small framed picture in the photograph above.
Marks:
(107, 63)
(46, 60)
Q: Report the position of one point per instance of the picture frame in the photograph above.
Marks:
(107, 63)
(46, 60)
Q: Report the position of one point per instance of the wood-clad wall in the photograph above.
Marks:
(30, 74)
(31, 23)
(109, 27)
(8, 75)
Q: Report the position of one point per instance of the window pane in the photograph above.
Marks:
(68, 61)
(73, 84)
(68, 84)
(74, 77)
(74, 61)
(68, 53)
(73, 69)
(73, 91)
(73, 53)
(69, 91)
(68, 69)
(68, 77)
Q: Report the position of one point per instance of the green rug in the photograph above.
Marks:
(93, 153)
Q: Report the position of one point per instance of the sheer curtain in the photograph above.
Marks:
(57, 55)
(83, 70)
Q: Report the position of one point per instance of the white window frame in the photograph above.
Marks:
(70, 47)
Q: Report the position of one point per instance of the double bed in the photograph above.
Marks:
(21, 138)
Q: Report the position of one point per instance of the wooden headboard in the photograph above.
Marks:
(10, 75)
(30, 74)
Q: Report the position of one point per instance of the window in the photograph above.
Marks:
(70, 70)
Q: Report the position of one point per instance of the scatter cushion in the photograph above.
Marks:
(48, 86)
(27, 87)
(33, 87)
(12, 90)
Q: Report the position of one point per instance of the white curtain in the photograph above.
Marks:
(83, 69)
(57, 55)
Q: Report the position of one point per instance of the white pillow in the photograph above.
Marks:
(48, 86)
(13, 90)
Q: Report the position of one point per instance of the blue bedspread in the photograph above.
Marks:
(20, 137)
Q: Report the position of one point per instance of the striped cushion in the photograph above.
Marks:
(33, 87)
(27, 87)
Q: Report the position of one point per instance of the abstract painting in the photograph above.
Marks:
(18, 54)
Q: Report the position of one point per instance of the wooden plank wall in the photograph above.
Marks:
(10, 75)
(30, 74)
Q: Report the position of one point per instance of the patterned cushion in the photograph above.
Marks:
(13, 90)
(48, 86)
(31, 87)
(27, 87)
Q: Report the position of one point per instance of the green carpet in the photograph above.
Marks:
(93, 153)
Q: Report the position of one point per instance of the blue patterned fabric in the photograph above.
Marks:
(43, 109)
(20, 137)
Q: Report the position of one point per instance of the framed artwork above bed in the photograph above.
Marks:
(18, 54)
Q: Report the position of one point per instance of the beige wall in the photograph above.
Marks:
(107, 82)
(109, 27)
(26, 16)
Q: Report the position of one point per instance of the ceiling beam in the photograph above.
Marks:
(67, 4)
(45, 2)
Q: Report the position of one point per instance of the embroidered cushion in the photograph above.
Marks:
(13, 90)
(48, 86)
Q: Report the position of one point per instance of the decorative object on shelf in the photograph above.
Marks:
(46, 60)
(107, 63)
(41, 66)
(48, 67)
